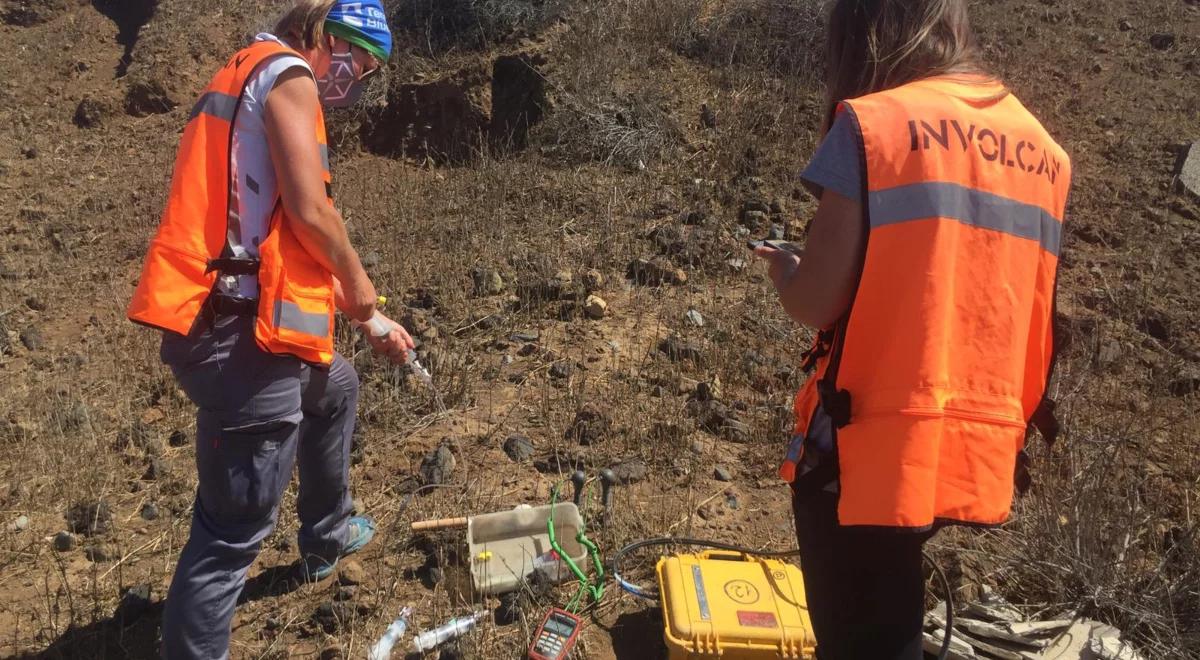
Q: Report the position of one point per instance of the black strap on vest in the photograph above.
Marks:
(229, 306)
(233, 266)
(1045, 422)
(218, 305)
(227, 263)
(819, 349)
(835, 402)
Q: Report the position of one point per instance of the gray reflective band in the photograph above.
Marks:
(289, 316)
(324, 156)
(221, 106)
(920, 201)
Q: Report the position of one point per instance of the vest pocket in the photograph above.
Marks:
(296, 300)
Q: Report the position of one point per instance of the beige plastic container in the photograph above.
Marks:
(504, 545)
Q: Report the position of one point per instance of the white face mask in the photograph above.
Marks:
(339, 87)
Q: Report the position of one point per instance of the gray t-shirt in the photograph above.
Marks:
(837, 163)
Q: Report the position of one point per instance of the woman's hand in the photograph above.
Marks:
(816, 290)
(782, 265)
(394, 345)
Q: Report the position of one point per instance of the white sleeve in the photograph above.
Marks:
(264, 81)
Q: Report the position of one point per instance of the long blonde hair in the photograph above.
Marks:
(304, 24)
(873, 45)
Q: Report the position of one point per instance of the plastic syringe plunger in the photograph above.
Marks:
(456, 627)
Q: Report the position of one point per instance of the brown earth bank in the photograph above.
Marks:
(519, 157)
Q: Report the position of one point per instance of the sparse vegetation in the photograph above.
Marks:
(623, 165)
(433, 27)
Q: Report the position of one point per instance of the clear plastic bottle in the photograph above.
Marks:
(383, 648)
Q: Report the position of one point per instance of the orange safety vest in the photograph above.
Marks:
(934, 374)
(296, 300)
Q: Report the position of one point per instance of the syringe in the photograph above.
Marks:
(383, 648)
(379, 326)
(431, 639)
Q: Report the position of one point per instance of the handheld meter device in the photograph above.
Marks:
(556, 636)
(786, 246)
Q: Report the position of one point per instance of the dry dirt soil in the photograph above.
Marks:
(519, 157)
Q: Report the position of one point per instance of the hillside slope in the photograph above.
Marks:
(517, 158)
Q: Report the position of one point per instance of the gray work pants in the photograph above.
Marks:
(258, 415)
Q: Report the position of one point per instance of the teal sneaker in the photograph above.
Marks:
(361, 531)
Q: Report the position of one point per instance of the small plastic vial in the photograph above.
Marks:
(383, 648)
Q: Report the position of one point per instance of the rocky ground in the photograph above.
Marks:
(554, 196)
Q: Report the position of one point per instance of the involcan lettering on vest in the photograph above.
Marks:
(998, 148)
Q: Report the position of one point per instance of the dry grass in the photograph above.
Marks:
(435, 27)
(1109, 531)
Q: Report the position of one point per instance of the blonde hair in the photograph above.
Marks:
(304, 23)
(875, 45)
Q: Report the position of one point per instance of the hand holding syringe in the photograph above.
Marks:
(383, 333)
(379, 327)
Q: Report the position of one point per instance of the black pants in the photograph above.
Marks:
(865, 587)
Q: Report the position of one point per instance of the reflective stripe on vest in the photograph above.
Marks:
(946, 349)
(289, 316)
(295, 293)
(977, 208)
(216, 104)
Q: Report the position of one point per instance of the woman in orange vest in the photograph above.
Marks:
(929, 270)
(243, 277)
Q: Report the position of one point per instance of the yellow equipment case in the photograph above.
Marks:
(719, 604)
